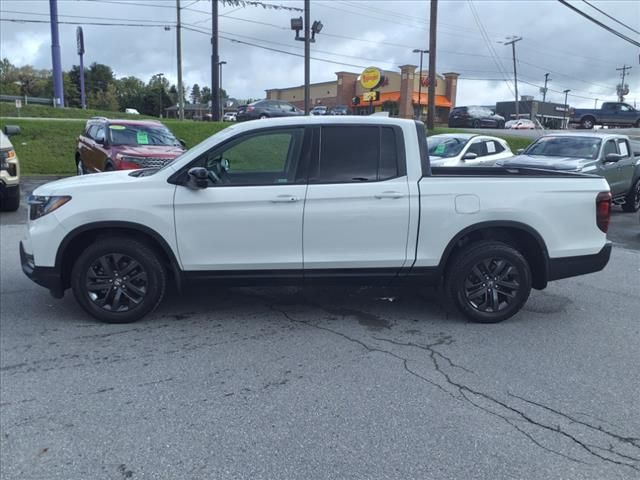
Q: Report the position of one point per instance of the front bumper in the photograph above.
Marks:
(48, 277)
(565, 267)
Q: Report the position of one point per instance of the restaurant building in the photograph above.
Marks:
(398, 93)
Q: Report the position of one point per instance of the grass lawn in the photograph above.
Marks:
(48, 147)
(8, 109)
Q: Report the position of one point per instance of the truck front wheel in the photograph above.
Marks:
(632, 200)
(488, 281)
(118, 280)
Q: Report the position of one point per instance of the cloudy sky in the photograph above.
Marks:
(578, 54)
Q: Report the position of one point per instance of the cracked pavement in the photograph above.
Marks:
(322, 383)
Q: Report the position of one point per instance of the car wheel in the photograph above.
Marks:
(501, 125)
(638, 124)
(632, 200)
(488, 282)
(11, 201)
(108, 167)
(587, 123)
(263, 116)
(475, 124)
(118, 280)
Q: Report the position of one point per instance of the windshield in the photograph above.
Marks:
(135, 135)
(445, 147)
(573, 147)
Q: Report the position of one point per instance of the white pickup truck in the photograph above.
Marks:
(299, 200)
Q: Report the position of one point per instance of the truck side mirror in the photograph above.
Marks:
(613, 157)
(198, 178)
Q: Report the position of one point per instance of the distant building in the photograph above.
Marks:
(398, 93)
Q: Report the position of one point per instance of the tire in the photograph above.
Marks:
(11, 201)
(110, 262)
(637, 124)
(632, 200)
(500, 125)
(108, 167)
(475, 124)
(80, 170)
(263, 116)
(587, 123)
(471, 276)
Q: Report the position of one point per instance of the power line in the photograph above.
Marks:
(88, 17)
(100, 24)
(609, 16)
(599, 23)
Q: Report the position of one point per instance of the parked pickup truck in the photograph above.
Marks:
(610, 114)
(326, 198)
(607, 155)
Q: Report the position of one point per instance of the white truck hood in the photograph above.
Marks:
(95, 181)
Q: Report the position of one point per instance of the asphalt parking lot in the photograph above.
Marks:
(287, 383)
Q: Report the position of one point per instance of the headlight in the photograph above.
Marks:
(5, 156)
(39, 205)
(136, 160)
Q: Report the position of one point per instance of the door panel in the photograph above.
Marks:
(250, 217)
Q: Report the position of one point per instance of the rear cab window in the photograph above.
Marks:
(354, 154)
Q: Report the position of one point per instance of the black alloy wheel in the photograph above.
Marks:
(118, 279)
(116, 282)
(488, 281)
(492, 285)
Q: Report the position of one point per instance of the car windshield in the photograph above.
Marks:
(572, 147)
(141, 135)
(445, 147)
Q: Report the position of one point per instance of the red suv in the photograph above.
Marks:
(125, 144)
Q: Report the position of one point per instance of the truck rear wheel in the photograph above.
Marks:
(11, 201)
(488, 281)
(118, 280)
(587, 123)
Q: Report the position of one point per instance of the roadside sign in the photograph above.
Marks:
(371, 78)
(18, 103)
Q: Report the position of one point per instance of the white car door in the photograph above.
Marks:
(250, 217)
(357, 206)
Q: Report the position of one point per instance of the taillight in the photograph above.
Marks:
(603, 210)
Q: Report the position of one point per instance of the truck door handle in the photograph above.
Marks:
(389, 194)
(285, 199)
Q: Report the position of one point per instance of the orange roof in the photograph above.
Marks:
(441, 100)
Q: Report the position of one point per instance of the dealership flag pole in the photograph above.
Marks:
(433, 17)
(58, 91)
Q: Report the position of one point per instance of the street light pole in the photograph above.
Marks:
(433, 16)
(421, 52)
(512, 41)
(564, 112)
(214, 62)
(221, 100)
(310, 31)
(179, 49)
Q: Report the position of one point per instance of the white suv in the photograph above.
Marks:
(9, 171)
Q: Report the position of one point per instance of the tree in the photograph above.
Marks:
(98, 77)
(205, 96)
(106, 99)
(130, 92)
(195, 93)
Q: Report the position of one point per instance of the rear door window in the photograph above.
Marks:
(610, 147)
(478, 147)
(352, 154)
(623, 146)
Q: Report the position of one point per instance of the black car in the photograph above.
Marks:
(475, 117)
(339, 110)
(266, 109)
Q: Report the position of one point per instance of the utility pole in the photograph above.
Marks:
(179, 50)
(421, 52)
(58, 90)
(215, 102)
(307, 54)
(621, 93)
(566, 107)
(512, 41)
(431, 112)
(595, 103)
(544, 92)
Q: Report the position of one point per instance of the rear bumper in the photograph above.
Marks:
(565, 267)
(48, 277)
